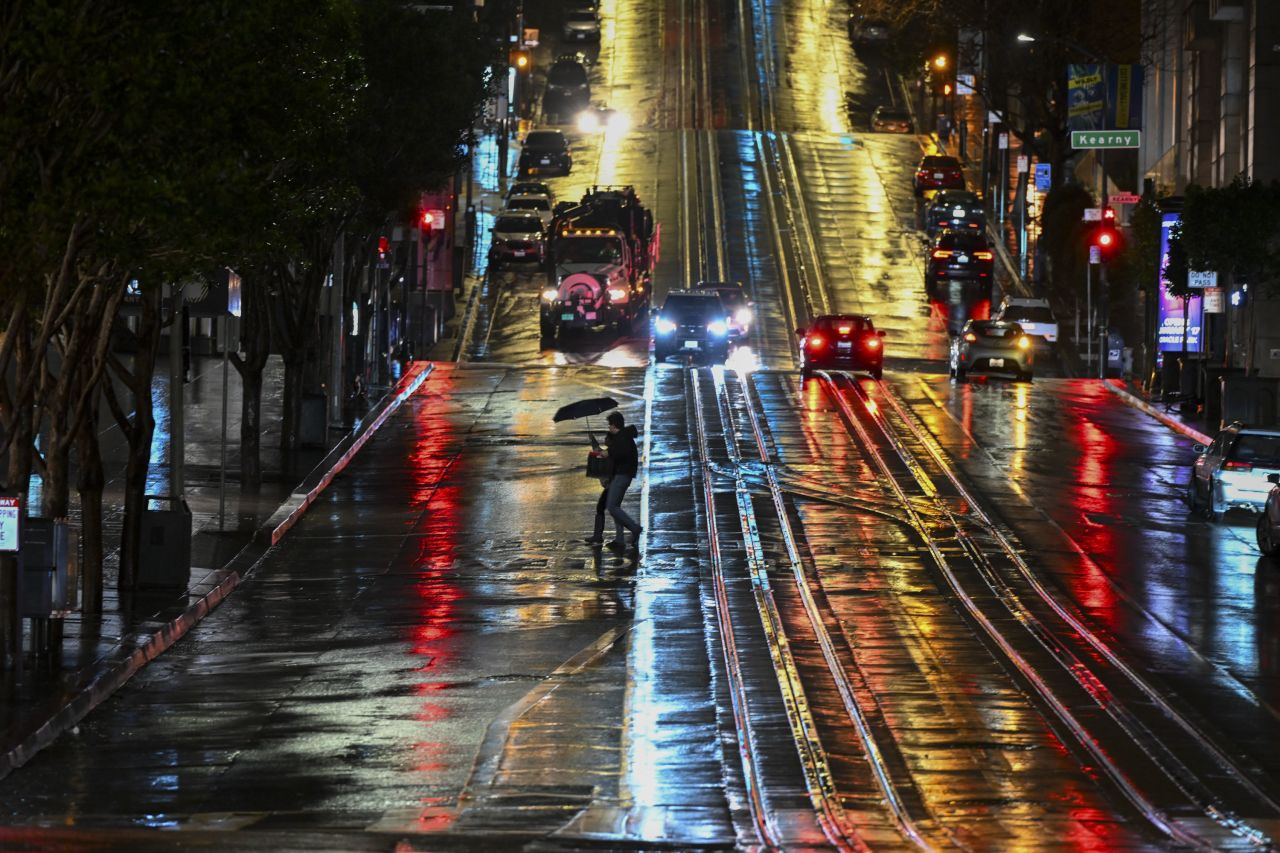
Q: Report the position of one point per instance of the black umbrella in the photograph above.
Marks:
(585, 408)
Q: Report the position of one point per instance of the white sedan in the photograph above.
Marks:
(1033, 315)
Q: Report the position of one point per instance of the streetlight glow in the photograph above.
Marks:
(940, 61)
(1025, 37)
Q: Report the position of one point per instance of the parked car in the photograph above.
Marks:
(1033, 315)
(1234, 470)
(519, 237)
(582, 24)
(957, 209)
(938, 172)
(845, 341)
(1269, 520)
(959, 256)
(691, 321)
(539, 204)
(531, 188)
(545, 152)
(891, 120)
(568, 88)
(992, 346)
(739, 307)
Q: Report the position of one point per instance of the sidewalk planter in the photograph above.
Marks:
(165, 556)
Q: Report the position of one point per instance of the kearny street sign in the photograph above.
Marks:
(1106, 139)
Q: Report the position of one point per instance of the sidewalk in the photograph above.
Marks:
(99, 652)
(1194, 425)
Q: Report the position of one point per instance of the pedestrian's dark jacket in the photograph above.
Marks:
(622, 451)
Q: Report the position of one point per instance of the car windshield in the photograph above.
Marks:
(962, 240)
(690, 309)
(588, 250)
(1257, 449)
(544, 140)
(940, 163)
(892, 115)
(855, 325)
(529, 189)
(516, 225)
(582, 17)
(1028, 313)
(567, 74)
(529, 204)
(996, 330)
(954, 199)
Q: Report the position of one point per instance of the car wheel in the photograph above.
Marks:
(1207, 509)
(1193, 495)
(1266, 542)
(806, 372)
(877, 372)
(1026, 376)
(961, 374)
(547, 329)
(624, 326)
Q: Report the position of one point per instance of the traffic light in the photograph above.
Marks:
(427, 222)
(1106, 238)
(384, 246)
(520, 59)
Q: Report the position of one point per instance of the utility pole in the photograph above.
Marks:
(177, 449)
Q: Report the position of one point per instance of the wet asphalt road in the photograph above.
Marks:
(432, 658)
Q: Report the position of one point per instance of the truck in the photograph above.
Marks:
(601, 252)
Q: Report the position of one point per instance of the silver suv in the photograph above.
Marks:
(1232, 472)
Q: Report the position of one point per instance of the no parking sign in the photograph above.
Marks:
(10, 520)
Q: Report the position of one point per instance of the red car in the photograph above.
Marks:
(938, 172)
(842, 341)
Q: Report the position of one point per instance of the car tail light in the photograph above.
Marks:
(873, 343)
(815, 342)
(1024, 342)
(617, 293)
(983, 256)
(1233, 465)
(971, 338)
(942, 253)
(921, 173)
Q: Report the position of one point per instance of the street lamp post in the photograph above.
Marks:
(1101, 160)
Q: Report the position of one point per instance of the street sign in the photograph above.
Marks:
(1023, 163)
(1093, 214)
(1124, 198)
(1200, 280)
(965, 84)
(1082, 139)
(1002, 141)
(531, 37)
(1213, 301)
(1095, 254)
(10, 523)
(1044, 177)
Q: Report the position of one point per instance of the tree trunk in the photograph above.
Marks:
(89, 483)
(251, 430)
(56, 495)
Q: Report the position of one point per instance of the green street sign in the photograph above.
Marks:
(1105, 139)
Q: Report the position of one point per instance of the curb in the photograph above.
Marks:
(1171, 422)
(140, 648)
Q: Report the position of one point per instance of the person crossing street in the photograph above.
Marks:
(624, 459)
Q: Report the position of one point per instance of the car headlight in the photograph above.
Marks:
(1024, 342)
(665, 326)
(617, 293)
(718, 328)
(588, 121)
(619, 122)
(742, 316)
(550, 294)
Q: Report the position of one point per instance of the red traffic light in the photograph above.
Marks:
(427, 219)
(1105, 239)
(384, 246)
(1109, 214)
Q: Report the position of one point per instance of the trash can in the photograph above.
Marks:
(1115, 354)
(164, 558)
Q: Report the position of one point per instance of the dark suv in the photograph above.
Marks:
(691, 321)
(568, 90)
(545, 152)
(961, 256)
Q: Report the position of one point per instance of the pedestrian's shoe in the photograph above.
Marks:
(616, 545)
(635, 539)
(591, 540)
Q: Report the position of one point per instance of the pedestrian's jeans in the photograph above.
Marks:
(611, 499)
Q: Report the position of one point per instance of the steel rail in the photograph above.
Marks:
(813, 760)
(1129, 787)
(871, 748)
(1085, 633)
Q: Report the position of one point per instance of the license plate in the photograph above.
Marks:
(690, 344)
(546, 161)
(958, 213)
(844, 346)
(566, 316)
(964, 259)
(996, 362)
(519, 253)
(937, 176)
(591, 315)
